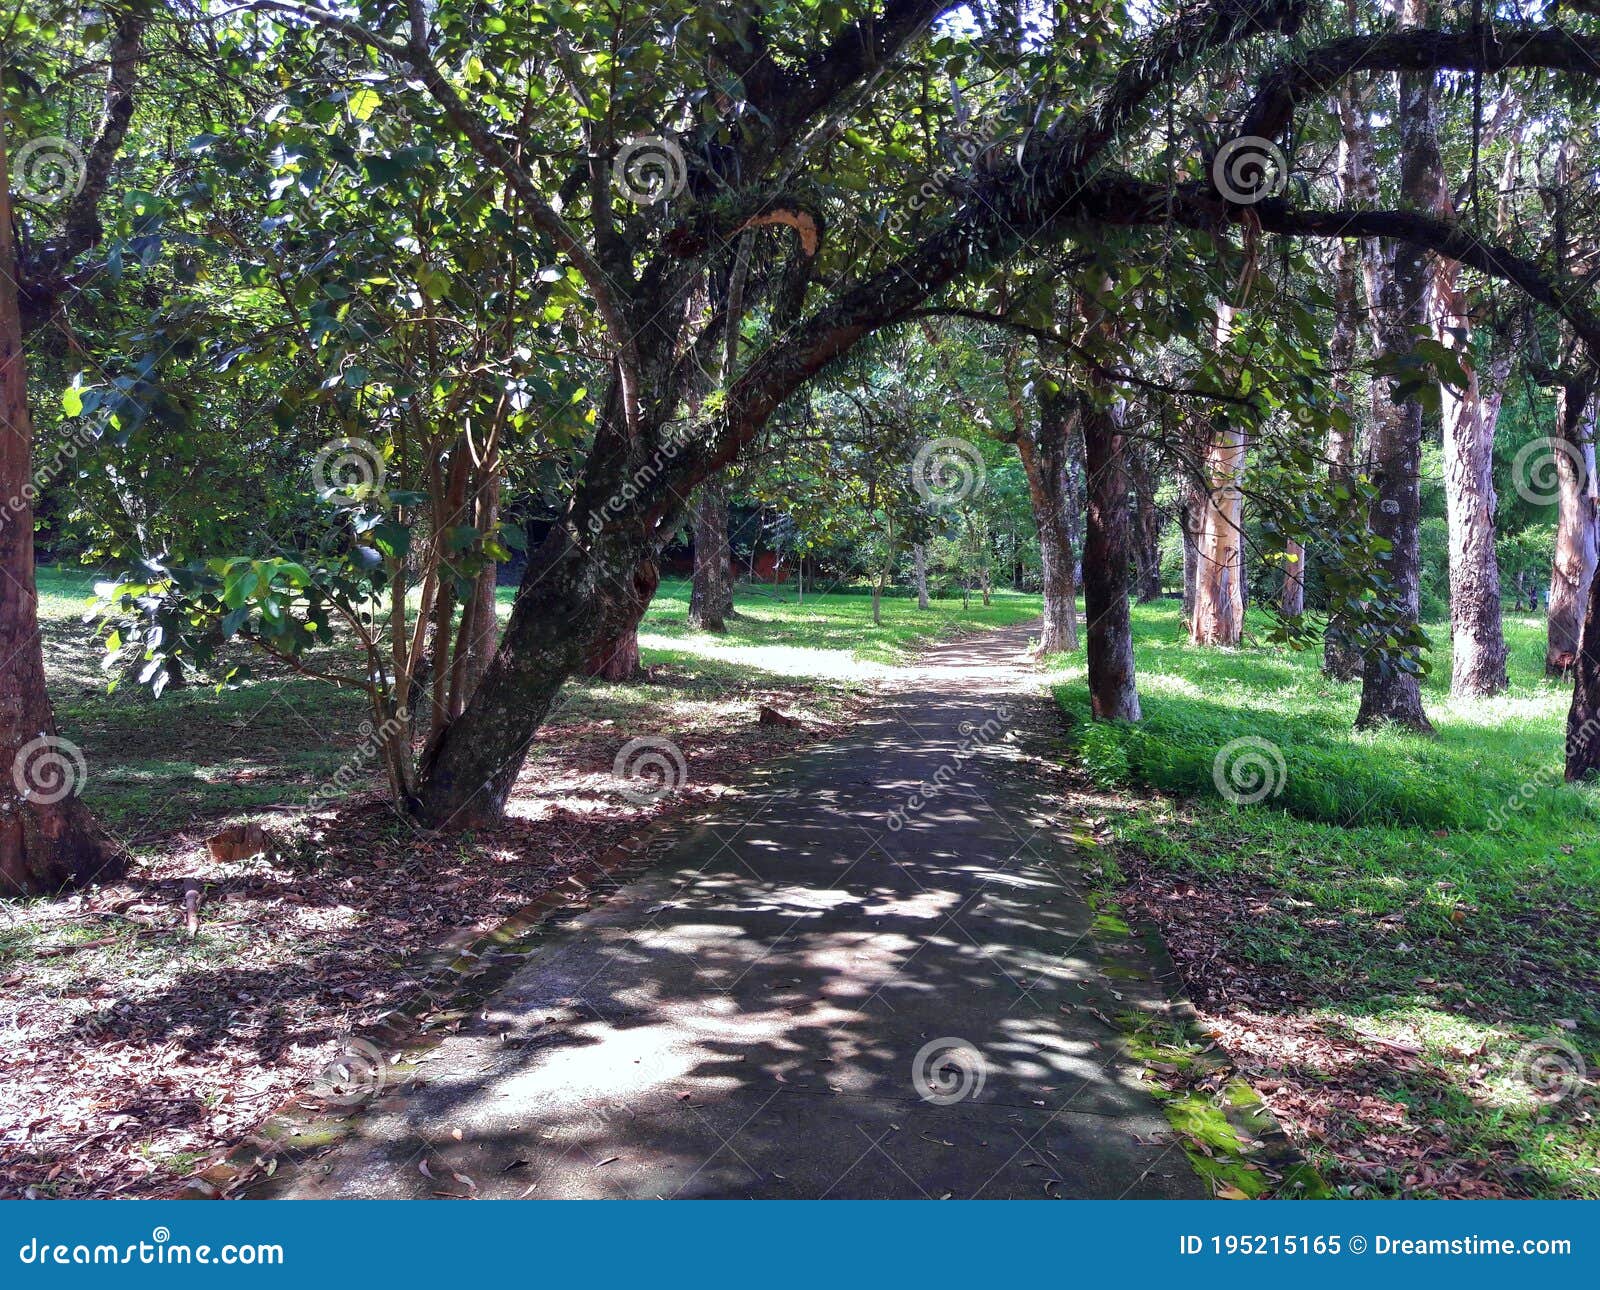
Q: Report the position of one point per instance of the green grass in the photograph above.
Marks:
(1442, 891)
(198, 754)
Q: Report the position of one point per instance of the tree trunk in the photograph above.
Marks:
(1044, 458)
(1391, 693)
(1107, 554)
(1147, 542)
(1572, 569)
(1293, 601)
(1583, 717)
(1478, 644)
(1218, 617)
(480, 624)
(1191, 520)
(1358, 186)
(614, 653)
(711, 594)
(919, 556)
(48, 839)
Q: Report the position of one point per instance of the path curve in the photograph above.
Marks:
(842, 985)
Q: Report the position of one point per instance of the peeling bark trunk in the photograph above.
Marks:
(1573, 567)
(1044, 459)
(1107, 555)
(711, 593)
(1218, 617)
(48, 839)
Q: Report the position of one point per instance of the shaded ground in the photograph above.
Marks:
(135, 1054)
(873, 976)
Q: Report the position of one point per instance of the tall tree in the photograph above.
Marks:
(1218, 617)
(48, 839)
(1391, 691)
(1045, 450)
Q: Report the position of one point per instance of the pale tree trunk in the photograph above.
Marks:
(1292, 602)
(1478, 644)
(48, 839)
(1107, 555)
(1044, 457)
(711, 593)
(1572, 569)
(919, 557)
(1391, 694)
(1218, 617)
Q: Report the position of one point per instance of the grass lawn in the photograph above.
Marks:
(1400, 934)
(199, 753)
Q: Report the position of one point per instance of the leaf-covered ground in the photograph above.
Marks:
(136, 1054)
(1399, 943)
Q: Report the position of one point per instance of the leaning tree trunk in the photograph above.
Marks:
(1218, 617)
(711, 593)
(1044, 458)
(613, 655)
(1572, 569)
(1391, 693)
(48, 839)
(1107, 555)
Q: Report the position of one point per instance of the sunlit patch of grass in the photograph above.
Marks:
(1441, 891)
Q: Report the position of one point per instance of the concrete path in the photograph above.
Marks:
(804, 1000)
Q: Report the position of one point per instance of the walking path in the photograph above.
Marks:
(842, 985)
